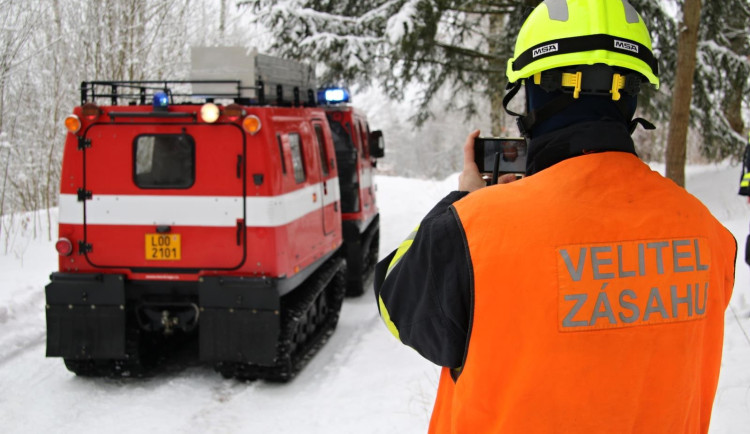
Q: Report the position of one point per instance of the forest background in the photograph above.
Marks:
(425, 71)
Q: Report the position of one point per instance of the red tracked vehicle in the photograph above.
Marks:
(356, 150)
(208, 208)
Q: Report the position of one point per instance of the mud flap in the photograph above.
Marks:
(86, 316)
(240, 320)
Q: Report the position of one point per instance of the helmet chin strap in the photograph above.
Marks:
(642, 122)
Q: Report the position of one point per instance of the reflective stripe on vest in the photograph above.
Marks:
(599, 298)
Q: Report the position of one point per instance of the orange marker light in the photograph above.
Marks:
(73, 124)
(251, 124)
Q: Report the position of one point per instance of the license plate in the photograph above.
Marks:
(163, 247)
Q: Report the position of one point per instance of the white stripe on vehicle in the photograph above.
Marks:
(214, 211)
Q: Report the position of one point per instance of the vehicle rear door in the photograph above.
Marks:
(164, 197)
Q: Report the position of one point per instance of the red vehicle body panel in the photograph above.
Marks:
(243, 214)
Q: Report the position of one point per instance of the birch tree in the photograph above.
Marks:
(48, 48)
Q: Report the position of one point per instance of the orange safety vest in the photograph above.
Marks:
(599, 296)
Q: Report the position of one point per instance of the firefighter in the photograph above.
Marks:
(745, 176)
(745, 191)
(588, 296)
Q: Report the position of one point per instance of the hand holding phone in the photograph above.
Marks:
(470, 179)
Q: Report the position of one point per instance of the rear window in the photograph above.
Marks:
(164, 161)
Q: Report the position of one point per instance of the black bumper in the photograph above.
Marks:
(88, 315)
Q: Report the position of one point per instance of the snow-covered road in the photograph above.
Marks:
(362, 381)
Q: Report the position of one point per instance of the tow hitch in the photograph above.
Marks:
(166, 318)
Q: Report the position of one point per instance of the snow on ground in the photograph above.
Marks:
(362, 381)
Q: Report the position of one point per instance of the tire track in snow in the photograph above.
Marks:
(22, 325)
(358, 318)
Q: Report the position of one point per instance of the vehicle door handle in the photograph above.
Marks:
(240, 227)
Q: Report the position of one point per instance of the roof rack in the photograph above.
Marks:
(218, 73)
(141, 92)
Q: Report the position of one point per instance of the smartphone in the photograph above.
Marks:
(510, 153)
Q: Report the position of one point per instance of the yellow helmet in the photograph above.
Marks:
(561, 33)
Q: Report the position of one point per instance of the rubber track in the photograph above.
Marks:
(330, 278)
(372, 257)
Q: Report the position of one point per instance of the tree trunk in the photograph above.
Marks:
(683, 92)
(222, 21)
(733, 110)
(496, 81)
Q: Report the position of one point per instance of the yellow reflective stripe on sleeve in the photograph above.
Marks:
(402, 249)
(745, 180)
(387, 319)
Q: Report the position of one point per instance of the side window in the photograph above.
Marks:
(281, 154)
(357, 140)
(298, 161)
(342, 142)
(322, 148)
(164, 161)
(365, 131)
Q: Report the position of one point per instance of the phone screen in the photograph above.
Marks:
(512, 154)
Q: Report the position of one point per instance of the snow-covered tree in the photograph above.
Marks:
(721, 79)
(48, 48)
(462, 44)
(395, 43)
(17, 24)
(712, 78)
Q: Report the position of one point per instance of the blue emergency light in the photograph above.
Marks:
(161, 101)
(333, 95)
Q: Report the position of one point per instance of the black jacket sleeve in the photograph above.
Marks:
(427, 291)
